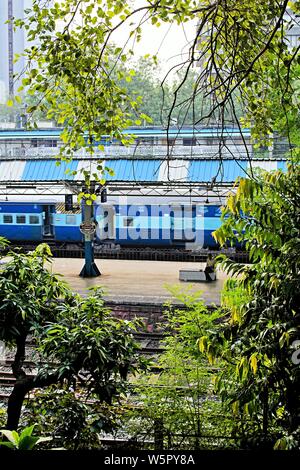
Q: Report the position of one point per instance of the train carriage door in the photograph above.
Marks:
(172, 224)
(48, 222)
(176, 223)
(109, 213)
(189, 223)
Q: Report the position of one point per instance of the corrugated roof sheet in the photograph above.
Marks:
(11, 170)
(47, 170)
(133, 170)
(172, 133)
(142, 170)
(226, 171)
(32, 134)
(86, 165)
(267, 165)
(282, 165)
(174, 170)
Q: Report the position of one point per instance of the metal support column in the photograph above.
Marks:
(90, 268)
(10, 15)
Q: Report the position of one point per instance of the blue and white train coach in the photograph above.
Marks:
(153, 225)
(40, 221)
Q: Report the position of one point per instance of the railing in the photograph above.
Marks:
(145, 151)
(152, 254)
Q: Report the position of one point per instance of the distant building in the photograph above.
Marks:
(152, 142)
(292, 29)
(12, 42)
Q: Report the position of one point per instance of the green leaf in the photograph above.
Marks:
(27, 431)
(12, 436)
(10, 445)
(253, 363)
(203, 343)
(27, 443)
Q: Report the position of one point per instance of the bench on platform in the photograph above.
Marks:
(195, 275)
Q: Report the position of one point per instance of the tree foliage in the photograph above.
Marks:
(261, 380)
(69, 418)
(71, 336)
(238, 50)
(178, 403)
(23, 441)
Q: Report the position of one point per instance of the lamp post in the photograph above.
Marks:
(88, 228)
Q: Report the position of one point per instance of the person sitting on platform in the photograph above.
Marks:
(210, 267)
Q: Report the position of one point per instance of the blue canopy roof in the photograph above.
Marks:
(136, 170)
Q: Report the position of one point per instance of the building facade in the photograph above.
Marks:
(12, 42)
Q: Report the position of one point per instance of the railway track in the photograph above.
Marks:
(149, 344)
(69, 250)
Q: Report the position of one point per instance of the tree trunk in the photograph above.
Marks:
(23, 385)
(15, 403)
(265, 412)
(158, 434)
(293, 405)
(20, 389)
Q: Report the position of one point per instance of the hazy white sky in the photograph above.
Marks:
(169, 42)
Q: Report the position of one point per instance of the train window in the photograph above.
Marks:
(190, 142)
(33, 219)
(71, 220)
(212, 211)
(46, 143)
(21, 219)
(128, 222)
(7, 219)
(145, 141)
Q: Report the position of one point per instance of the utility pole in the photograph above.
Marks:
(10, 25)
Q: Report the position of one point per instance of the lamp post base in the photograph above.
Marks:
(90, 270)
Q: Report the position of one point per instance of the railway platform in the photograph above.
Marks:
(137, 282)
